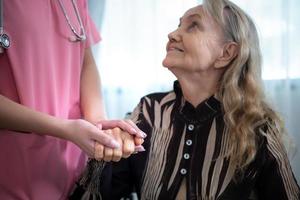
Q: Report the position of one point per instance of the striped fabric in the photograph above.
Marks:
(185, 157)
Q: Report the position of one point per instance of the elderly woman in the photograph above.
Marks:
(213, 136)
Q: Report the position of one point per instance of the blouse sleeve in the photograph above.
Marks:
(276, 179)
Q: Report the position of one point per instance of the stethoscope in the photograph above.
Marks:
(76, 37)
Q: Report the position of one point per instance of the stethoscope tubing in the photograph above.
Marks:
(4, 39)
(1, 17)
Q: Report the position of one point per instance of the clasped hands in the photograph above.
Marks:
(128, 136)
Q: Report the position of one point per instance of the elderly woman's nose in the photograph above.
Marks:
(174, 36)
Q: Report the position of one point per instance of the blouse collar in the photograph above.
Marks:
(204, 111)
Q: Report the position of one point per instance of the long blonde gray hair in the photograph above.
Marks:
(240, 90)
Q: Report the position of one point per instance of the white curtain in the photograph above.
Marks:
(134, 36)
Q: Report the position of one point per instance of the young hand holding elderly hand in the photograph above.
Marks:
(126, 134)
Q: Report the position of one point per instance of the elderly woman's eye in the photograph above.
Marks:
(193, 25)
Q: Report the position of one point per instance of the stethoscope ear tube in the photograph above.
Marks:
(1, 15)
(4, 39)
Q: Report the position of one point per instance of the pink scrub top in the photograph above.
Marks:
(41, 70)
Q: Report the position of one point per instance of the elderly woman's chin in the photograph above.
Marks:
(168, 62)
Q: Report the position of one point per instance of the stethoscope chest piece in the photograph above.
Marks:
(4, 41)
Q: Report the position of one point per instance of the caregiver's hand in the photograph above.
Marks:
(84, 134)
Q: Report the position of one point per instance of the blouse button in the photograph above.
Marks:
(183, 171)
(189, 142)
(191, 127)
(186, 156)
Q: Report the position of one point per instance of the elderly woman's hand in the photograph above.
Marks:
(129, 144)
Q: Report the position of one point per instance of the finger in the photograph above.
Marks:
(139, 148)
(108, 153)
(128, 146)
(106, 140)
(138, 141)
(124, 125)
(117, 153)
(110, 124)
(140, 132)
(99, 151)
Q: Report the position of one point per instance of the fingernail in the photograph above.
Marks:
(133, 130)
(114, 144)
(140, 148)
(143, 135)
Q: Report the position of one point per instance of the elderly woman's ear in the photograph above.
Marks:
(228, 53)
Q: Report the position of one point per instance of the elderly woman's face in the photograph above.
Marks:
(196, 44)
